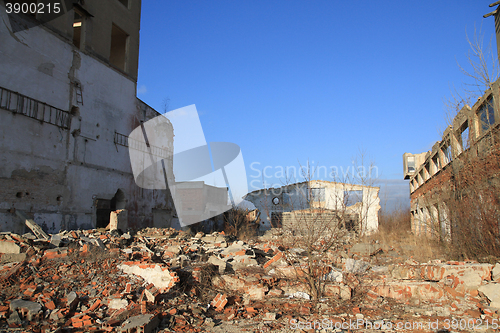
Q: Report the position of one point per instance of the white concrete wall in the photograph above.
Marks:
(334, 200)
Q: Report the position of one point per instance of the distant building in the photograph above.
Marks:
(67, 104)
(359, 203)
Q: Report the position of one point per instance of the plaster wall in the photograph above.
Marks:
(55, 174)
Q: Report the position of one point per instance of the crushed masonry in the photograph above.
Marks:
(166, 280)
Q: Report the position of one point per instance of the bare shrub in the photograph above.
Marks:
(308, 236)
(475, 205)
(395, 223)
(241, 223)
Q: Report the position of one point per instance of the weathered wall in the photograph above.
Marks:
(469, 139)
(56, 174)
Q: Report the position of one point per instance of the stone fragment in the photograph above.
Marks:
(117, 303)
(334, 275)
(159, 276)
(219, 263)
(73, 300)
(145, 323)
(355, 266)
(32, 309)
(365, 249)
(496, 272)
(269, 316)
(9, 247)
(12, 257)
(300, 294)
(492, 291)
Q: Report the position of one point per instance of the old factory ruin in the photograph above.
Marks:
(83, 248)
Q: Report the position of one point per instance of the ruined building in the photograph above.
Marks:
(358, 205)
(472, 137)
(463, 163)
(67, 104)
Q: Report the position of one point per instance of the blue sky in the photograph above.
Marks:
(291, 81)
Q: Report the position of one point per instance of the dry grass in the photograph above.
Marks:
(395, 231)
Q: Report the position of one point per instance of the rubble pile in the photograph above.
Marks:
(164, 279)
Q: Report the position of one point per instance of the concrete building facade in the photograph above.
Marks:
(360, 203)
(473, 136)
(466, 161)
(67, 105)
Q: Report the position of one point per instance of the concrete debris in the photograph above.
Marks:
(355, 266)
(300, 294)
(166, 280)
(33, 226)
(145, 323)
(8, 246)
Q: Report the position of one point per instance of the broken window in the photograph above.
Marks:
(352, 197)
(78, 29)
(426, 171)
(317, 194)
(124, 2)
(486, 115)
(437, 163)
(447, 153)
(464, 136)
(410, 163)
(118, 53)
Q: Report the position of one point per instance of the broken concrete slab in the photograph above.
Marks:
(33, 226)
(12, 257)
(355, 266)
(492, 292)
(31, 309)
(8, 246)
(221, 264)
(159, 276)
(145, 323)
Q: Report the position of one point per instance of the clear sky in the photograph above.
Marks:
(291, 81)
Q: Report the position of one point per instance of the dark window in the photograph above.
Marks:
(464, 136)
(118, 54)
(410, 163)
(353, 197)
(317, 194)
(77, 29)
(486, 115)
(124, 2)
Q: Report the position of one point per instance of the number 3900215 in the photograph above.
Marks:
(32, 8)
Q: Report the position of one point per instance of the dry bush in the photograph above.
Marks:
(238, 224)
(395, 223)
(307, 238)
(395, 231)
(474, 205)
